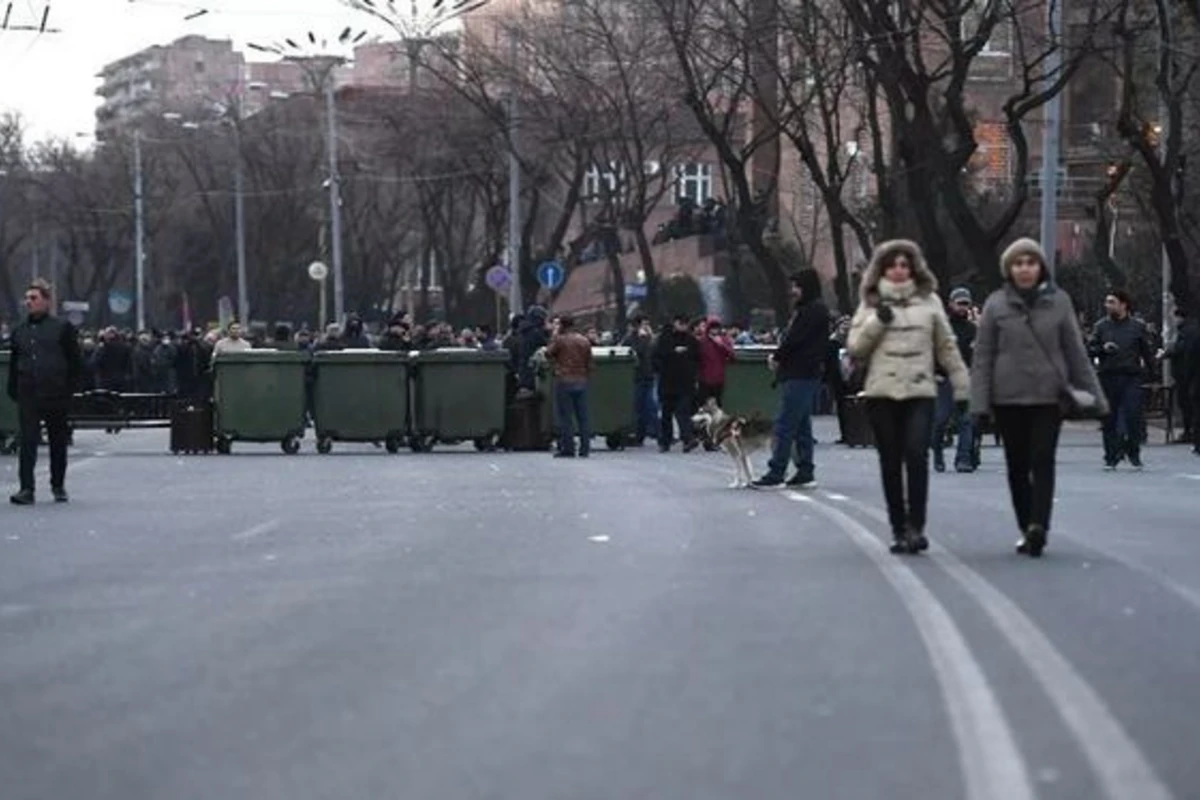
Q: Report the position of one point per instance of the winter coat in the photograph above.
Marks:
(715, 353)
(1013, 368)
(901, 355)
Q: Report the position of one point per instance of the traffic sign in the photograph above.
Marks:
(318, 271)
(498, 279)
(550, 275)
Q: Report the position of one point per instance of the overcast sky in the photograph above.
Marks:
(50, 78)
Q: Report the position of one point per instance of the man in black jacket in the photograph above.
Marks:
(798, 363)
(42, 376)
(1122, 344)
(677, 362)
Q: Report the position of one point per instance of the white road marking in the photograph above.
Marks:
(1189, 477)
(257, 530)
(601, 539)
(992, 765)
(1122, 769)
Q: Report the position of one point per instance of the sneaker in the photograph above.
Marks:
(801, 482)
(939, 461)
(692, 445)
(964, 468)
(22, 498)
(767, 482)
(1110, 465)
(1135, 460)
(60, 494)
(1034, 541)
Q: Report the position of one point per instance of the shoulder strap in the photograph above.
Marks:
(1062, 379)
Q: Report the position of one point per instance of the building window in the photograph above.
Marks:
(1000, 41)
(693, 182)
(599, 186)
(199, 67)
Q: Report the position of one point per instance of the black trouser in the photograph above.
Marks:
(902, 429)
(32, 412)
(707, 390)
(676, 407)
(1030, 435)
(1187, 404)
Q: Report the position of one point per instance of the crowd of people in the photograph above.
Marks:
(921, 373)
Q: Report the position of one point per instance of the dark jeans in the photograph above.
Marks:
(793, 436)
(1030, 436)
(645, 406)
(32, 412)
(965, 454)
(1123, 425)
(676, 407)
(1187, 404)
(902, 429)
(570, 406)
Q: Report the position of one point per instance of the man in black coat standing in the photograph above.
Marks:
(42, 375)
(799, 363)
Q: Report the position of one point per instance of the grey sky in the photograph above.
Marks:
(50, 79)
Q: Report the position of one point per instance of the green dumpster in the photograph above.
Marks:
(610, 396)
(458, 395)
(748, 384)
(360, 396)
(9, 425)
(259, 397)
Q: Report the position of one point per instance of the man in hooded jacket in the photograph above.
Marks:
(798, 363)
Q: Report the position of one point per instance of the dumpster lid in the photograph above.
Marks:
(612, 351)
(754, 351)
(463, 354)
(360, 355)
(261, 354)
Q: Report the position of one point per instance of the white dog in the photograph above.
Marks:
(737, 436)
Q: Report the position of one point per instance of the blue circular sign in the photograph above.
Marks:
(550, 274)
(498, 279)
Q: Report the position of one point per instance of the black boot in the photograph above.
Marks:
(22, 498)
(939, 460)
(1034, 541)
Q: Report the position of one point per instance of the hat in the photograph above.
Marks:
(960, 294)
(1021, 247)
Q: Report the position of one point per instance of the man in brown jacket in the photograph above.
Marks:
(571, 354)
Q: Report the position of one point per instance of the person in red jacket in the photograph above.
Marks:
(716, 350)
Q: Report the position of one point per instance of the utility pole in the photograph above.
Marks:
(514, 188)
(335, 202)
(139, 232)
(1051, 144)
(1168, 318)
(239, 214)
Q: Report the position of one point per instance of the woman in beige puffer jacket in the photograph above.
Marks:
(899, 331)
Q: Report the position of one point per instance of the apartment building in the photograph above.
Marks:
(179, 77)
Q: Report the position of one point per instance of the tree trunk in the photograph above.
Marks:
(841, 284)
(650, 304)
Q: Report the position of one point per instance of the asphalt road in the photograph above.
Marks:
(461, 625)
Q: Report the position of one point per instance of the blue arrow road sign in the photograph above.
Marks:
(550, 275)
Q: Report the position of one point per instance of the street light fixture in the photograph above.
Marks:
(318, 68)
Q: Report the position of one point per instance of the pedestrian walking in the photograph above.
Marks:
(945, 413)
(798, 363)
(1123, 345)
(1029, 360)
(1187, 332)
(900, 331)
(44, 371)
(571, 354)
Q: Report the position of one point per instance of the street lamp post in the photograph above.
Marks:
(139, 216)
(319, 70)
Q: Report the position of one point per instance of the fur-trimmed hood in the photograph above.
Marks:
(923, 277)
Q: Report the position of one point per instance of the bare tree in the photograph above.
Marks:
(921, 56)
(1157, 65)
(724, 54)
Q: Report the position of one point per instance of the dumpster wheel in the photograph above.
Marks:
(615, 441)
(421, 443)
(392, 444)
(224, 445)
(487, 444)
(290, 445)
(324, 445)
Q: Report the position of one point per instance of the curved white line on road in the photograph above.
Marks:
(991, 764)
(1119, 764)
(257, 530)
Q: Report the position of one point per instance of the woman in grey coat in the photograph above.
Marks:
(1029, 356)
